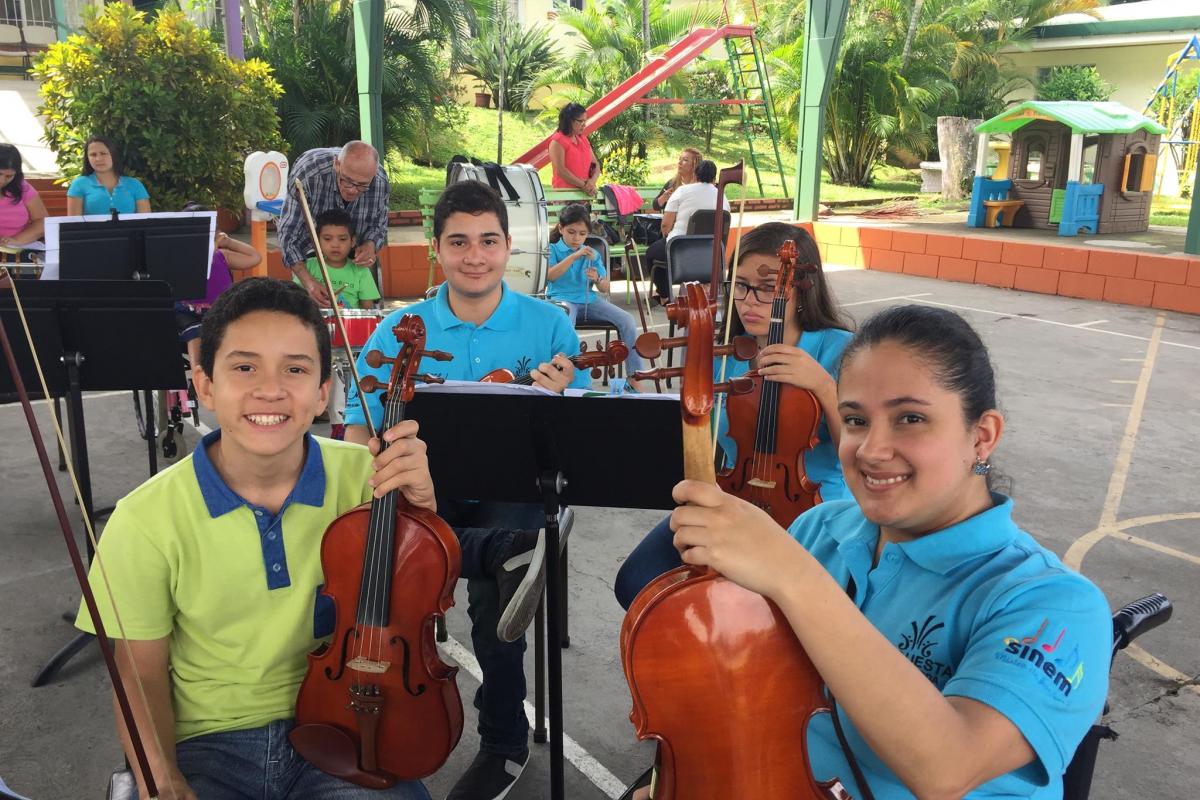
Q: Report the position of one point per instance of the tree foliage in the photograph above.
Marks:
(528, 51)
(315, 63)
(182, 114)
(709, 81)
(1074, 83)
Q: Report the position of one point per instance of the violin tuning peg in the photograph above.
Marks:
(740, 385)
(596, 372)
(437, 355)
(376, 359)
(369, 383)
(430, 378)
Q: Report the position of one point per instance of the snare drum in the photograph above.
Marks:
(360, 323)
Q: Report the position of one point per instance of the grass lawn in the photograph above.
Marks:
(1170, 211)
(475, 135)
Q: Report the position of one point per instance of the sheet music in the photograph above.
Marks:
(50, 271)
(475, 387)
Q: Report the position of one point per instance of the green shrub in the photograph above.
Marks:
(633, 172)
(709, 82)
(1074, 83)
(183, 115)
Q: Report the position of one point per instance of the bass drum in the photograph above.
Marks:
(528, 223)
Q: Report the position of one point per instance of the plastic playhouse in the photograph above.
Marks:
(1074, 166)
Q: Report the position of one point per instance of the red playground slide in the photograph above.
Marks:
(635, 88)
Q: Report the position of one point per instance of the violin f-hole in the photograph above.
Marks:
(341, 658)
(405, 664)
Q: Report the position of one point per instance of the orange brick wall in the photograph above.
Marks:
(1166, 282)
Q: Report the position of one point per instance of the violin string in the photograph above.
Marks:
(98, 560)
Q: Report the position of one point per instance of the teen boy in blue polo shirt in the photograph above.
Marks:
(964, 658)
(485, 326)
(214, 563)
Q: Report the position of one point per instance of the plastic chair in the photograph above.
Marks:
(598, 244)
(702, 222)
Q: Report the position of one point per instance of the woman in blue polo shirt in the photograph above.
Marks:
(102, 189)
(965, 659)
(815, 332)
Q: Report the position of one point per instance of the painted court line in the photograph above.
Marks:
(1015, 316)
(1093, 322)
(887, 299)
(579, 758)
(86, 396)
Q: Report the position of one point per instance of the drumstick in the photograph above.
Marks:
(337, 314)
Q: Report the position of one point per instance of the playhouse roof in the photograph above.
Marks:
(1080, 117)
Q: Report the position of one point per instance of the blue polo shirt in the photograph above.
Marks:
(573, 286)
(821, 463)
(520, 334)
(984, 612)
(97, 200)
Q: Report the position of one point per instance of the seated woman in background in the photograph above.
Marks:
(685, 173)
(102, 189)
(685, 201)
(22, 212)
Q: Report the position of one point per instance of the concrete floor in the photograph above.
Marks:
(1102, 428)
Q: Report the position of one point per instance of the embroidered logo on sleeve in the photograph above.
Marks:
(918, 645)
(1056, 668)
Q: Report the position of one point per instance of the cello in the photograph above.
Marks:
(715, 671)
(775, 424)
(377, 704)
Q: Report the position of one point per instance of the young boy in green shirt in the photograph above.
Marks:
(214, 564)
(353, 285)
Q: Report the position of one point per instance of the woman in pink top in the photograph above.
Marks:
(22, 212)
(571, 154)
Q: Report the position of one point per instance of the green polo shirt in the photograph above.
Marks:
(234, 586)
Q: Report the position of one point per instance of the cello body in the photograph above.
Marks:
(723, 685)
(771, 444)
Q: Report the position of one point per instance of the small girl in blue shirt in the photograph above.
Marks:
(574, 269)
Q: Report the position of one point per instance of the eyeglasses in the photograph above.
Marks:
(349, 184)
(580, 121)
(762, 294)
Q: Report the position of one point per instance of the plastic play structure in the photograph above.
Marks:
(1074, 166)
(748, 71)
(1179, 112)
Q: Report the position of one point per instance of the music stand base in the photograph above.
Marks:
(60, 659)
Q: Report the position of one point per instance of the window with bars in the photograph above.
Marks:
(27, 13)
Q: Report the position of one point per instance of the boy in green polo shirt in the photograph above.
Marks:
(214, 564)
(353, 286)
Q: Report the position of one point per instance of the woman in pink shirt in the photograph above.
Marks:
(571, 154)
(22, 212)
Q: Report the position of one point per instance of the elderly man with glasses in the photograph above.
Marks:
(349, 178)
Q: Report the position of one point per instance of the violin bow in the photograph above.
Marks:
(337, 314)
(734, 174)
(728, 321)
(632, 258)
(137, 743)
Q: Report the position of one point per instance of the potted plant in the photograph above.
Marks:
(483, 98)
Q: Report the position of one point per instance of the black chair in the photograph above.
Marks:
(600, 245)
(702, 222)
(689, 260)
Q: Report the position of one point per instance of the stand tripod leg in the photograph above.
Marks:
(539, 673)
(565, 632)
(59, 659)
(151, 450)
(551, 485)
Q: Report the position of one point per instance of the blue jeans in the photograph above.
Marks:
(600, 310)
(260, 764)
(485, 532)
(655, 555)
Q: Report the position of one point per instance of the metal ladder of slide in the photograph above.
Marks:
(748, 69)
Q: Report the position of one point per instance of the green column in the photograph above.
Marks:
(368, 56)
(823, 26)
(1192, 243)
(62, 28)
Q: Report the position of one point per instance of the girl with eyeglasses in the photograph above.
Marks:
(815, 330)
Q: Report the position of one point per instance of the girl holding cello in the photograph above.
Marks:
(814, 334)
(962, 658)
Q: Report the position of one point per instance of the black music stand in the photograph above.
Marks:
(92, 336)
(506, 448)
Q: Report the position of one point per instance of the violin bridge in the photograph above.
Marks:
(761, 484)
(360, 664)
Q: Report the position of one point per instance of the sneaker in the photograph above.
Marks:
(523, 576)
(490, 777)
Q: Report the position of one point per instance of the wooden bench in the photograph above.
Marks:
(1001, 213)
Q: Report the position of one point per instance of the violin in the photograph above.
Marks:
(775, 424)
(377, 704)
(597, 361)
(715, 671)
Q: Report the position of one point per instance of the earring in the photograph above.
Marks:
(981, 467)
